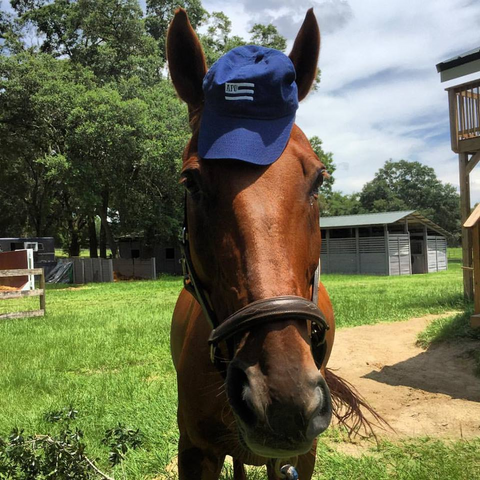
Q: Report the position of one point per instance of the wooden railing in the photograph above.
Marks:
(464, 101)
(39, 292)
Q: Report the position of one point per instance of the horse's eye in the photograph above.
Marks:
(190, 182)
(318, 183)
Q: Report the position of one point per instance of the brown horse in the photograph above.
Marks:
(253, 238)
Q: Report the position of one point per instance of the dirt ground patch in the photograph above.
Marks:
(419, 392)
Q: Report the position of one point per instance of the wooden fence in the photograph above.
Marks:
(38, 292)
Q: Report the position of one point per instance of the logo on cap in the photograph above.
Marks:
(239, 91)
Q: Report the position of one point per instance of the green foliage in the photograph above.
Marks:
(160, 13)
(108, 36)
(268, 36)
(218, 40)
(408, 459)
(341, 204)
(120, 439)
(450, 328)
(63, 415)
(62, 455)
(90, 127)
(407, 185)
(36, 457)
(36, 93)
(327, 159)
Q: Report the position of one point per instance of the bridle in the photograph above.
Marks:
(274, 309)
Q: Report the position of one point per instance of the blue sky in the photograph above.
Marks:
(380, 95)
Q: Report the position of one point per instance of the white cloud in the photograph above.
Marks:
(380, 94)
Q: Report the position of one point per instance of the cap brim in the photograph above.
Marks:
(251, 140)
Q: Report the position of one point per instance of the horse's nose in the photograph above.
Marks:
(242, 399)
(321, 416)
(301, 408)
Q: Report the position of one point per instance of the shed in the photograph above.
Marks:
(167, 256)
(43, 250)
(387, 243)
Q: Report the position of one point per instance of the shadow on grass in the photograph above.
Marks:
(446, 365)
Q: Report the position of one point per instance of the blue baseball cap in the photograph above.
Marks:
(250, 102)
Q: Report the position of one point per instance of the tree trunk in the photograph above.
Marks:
(93, 242)
(108, 231)
(74, 245)
(103, 242)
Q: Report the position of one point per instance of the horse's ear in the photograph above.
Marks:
(304, 54)
(186, 60)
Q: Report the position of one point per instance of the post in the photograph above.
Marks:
(466, 237)
(42, 287)
(425, 249)
(387, 252)
(475, 319)
(357, 249)
(452, 107)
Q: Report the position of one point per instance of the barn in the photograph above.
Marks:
(387, 243)
(43, 249)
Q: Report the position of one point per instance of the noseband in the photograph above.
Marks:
(288, 307)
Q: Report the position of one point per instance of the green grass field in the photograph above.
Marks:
(104, 349)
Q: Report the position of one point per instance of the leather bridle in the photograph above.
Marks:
(288, 307)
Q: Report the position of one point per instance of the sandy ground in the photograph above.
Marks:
(419, 392)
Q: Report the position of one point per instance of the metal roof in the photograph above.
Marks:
(458, 60)
(383, 218)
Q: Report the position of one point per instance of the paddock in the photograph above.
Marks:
(387, 243)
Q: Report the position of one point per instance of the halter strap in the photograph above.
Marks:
(287, 307)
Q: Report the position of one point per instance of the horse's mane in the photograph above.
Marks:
(195, 115)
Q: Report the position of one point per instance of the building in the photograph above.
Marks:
(43, 249)
(390, 243)
(167, 257)
(464, 110)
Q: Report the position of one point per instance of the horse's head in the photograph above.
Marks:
(254, 235)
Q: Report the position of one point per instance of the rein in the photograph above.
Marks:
(267, 310)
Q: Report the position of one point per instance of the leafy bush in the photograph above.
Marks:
(61, 456)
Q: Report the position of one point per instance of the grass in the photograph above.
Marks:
(104, 349)
(414, 459)
(451, 329)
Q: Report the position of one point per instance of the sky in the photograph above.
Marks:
(380, 95)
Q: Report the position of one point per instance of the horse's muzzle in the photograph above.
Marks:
(282, 425)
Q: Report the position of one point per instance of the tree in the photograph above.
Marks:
(327, 159)
(91, 129)
(218, 39)
(341, 204)
(108, 36)
(405, 185)
(160, 14)
(268, 36)
(36, 94)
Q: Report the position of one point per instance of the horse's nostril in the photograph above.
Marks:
(240, 395)
(322, 416)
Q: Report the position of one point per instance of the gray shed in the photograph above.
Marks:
(390, 243)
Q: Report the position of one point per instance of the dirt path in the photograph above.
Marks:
(419, 392)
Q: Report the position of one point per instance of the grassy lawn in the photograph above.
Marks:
(104, 349)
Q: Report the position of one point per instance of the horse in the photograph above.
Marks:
(253, 329)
